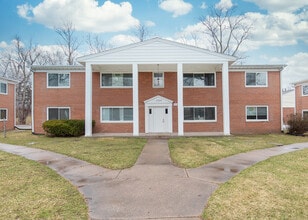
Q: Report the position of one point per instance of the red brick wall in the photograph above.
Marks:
(73, 97)
(301, 101)
(240, 97)
(287, 111)
(7, 102)
(205, 97)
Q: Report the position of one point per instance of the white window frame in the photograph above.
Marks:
(69, 111)
(116, 122)
(255, 72)
(196, 73)
(257, 106)
(163, 80)
(115, 87)
(303, 89)
(7, 88)
(6, 114)
(198, 121)
(59, 87)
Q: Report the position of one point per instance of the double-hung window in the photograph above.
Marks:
(200, 113)
(305, 90)
(199, 80)
(305, 114)
(3, 88)
(58, 113)
(256, 113)
(3, 114)
(256, 79)
(58, 80)
(116, 80)
(116, 114)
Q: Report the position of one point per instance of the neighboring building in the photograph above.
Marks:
(7, 104)
(288, 104)
(301, 97)
(160, 86)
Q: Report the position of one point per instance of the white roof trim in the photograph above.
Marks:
(158, 100)
(77, 68)
(233, 68)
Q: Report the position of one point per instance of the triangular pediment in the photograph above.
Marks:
(156, 50)
(158, 100)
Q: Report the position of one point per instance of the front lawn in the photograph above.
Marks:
(191, 152)
(113, 153)
(30, 190)
(272, 189)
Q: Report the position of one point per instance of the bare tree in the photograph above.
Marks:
(68, 41)
(95, 43)
(226, 32)
(142, 32)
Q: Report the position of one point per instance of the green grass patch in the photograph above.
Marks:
(191, 152)
(273, 189)
(113, 153)
(29, 190)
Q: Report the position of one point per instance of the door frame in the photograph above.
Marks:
(158, 101)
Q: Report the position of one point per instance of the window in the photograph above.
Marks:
(305, 114)
(158, 80)
(199, 79)
(58, 113)
(116, 114)
(257, 79)
(116, 80)
(3, 88)
(3, 114)
(256, 113)
(305, 90)
(200, 113)
(58, 80)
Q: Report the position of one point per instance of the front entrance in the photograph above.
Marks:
(158, 115)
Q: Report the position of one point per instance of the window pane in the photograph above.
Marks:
(106, 79)
(199, 80)
(209, 79)
(127, 79)
(64, 113)
(188, 114)
(188, 79)
(210, 113)
(64, 79)
(52, 79)
(3, 88)
(117, 80)
(250, 79)
(251, 113)
(52, 113)
(128, 114)
(261, 79)
(262, 113)
(305, 115)
(199, 114)
(115, 114)
(3, 114)
(106, 114)
(305, 89)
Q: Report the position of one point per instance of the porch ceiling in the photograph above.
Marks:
(122, 68)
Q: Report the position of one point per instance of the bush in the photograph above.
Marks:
(65, 128)
(297, 124)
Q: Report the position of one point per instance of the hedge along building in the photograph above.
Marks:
(7, 104)
(160, 86)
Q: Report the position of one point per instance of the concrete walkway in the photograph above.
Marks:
(153, 188)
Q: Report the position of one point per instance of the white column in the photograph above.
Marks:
(135, 100)
(180, 99)
(88, 101)
(225, 98)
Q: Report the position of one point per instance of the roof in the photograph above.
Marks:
(257, 67)
(8, 80)
(156, 50)
(60, 68)
(301, 82)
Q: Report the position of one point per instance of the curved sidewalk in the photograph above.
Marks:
(153, 188)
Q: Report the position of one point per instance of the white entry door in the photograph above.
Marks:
(159, 119)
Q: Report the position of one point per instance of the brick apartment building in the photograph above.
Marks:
(301, 97)
(160, 86)
(7, 104)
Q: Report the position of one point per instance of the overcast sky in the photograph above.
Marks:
(279, 34)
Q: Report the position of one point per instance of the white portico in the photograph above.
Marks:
(156, 55)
